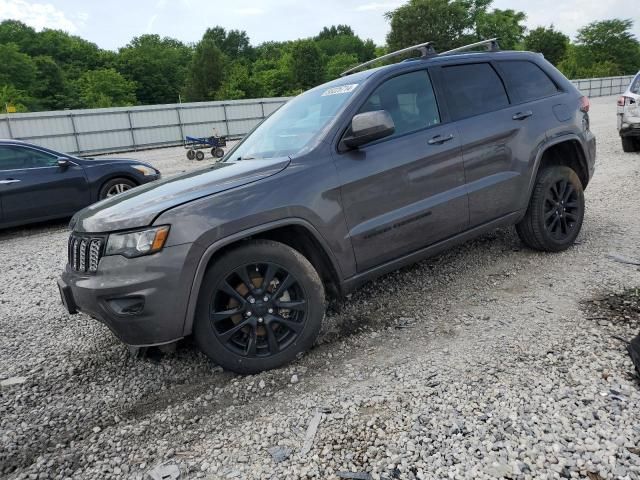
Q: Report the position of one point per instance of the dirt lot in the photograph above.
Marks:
(490, 361)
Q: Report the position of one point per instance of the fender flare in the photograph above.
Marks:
(544, 147)
(211, 250)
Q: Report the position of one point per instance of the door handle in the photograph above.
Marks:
(522, 115)
(439, 139)
(8, 180)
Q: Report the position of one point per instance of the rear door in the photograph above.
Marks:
(33, 186)
(405, 191)
(499, 134)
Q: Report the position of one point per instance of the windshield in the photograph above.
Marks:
(292, 128)
(635, 85)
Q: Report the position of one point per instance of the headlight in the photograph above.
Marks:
(138, 243)
(144, 170)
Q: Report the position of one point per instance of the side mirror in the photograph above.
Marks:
(369, 126)
(64, 162)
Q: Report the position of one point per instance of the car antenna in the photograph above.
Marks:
(426, 50)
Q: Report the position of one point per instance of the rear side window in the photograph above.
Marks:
(526, 81)
(473, 89)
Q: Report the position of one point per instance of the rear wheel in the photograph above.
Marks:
(555, 212)
(260, 306)
(199, 155)
(629, 144)
(115, 187)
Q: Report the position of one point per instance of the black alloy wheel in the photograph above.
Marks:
(555, 212)
(561, 212)
(261, 304)
(258, 310)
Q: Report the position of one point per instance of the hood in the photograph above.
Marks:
(90, 162)
(138, 207)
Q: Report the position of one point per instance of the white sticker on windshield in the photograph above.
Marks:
(340, 90)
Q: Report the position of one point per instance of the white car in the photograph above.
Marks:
(629, 116)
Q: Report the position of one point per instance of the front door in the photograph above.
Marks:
(33, 186)
(406, 191)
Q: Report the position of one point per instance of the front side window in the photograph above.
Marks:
(473, 89)
(526, 81)
(18, 158)
(409, 99)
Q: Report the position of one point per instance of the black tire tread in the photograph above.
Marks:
(102, 193)
(263, 247)
(629, 144)
(530, 228)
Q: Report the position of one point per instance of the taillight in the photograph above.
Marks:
(584, 104)
(624, 101)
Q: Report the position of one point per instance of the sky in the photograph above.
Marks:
(113, 23)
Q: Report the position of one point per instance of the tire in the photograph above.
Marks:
(115, 186)
(199, 155)
(191, 154)
(629, 144)
(217, 152)
(241, 324)
(554, 216)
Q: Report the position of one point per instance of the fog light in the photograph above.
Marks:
(126, 305)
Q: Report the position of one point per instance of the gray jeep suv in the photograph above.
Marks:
(348, 181)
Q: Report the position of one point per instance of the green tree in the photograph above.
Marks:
(232, 43)
(157, 65)
(205, 72)
(609, 41)
(14, 31)
(50, 89)
(504, 24)
(339, 63)
(577, 64)
(74, 54)
(238, 83)
(548, 41)
(16, 68)
(307, 64)
(341, 39)
(105, 88)
(446, 23)
(10, 95)
(271, 70)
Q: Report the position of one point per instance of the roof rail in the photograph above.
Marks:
(426, 49)
(492, 46)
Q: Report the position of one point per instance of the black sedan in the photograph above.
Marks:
(39, 184)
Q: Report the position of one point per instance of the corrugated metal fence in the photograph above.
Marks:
(600, 87)
(132, 128)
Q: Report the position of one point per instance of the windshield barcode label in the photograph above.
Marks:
(340, 90)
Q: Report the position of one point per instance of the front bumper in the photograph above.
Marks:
(142, 300)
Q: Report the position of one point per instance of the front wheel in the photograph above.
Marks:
(114, 187)
(260, 306)
(555, 212)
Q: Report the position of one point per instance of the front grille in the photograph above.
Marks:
(85, 252)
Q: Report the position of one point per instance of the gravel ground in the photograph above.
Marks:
(489, 361)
